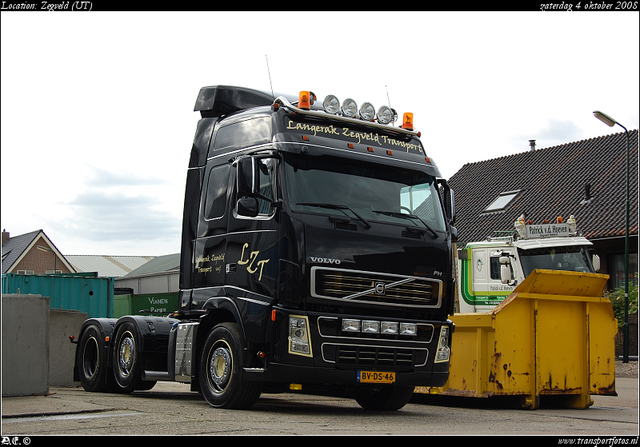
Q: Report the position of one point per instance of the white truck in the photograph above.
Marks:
(488, 271)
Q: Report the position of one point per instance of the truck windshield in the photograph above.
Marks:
(571, 258)
(363, 191)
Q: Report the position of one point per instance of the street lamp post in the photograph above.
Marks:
(625, 328)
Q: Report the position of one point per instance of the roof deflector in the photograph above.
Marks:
(220, 100)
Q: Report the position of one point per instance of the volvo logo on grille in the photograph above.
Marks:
(379, 288)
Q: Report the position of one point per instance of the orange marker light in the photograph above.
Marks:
(407, 121)
(273, 315)
(304, 101)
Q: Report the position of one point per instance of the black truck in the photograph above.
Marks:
(316, 252)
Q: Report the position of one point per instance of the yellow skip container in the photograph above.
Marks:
(553, 336)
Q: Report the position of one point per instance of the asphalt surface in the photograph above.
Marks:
(171, 409)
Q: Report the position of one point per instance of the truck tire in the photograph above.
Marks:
(220, 370)
(91, 362)
(127, 360)
(382, 398)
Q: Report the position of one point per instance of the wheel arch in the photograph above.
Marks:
(105, 327)
(219, 310)
(152, 332)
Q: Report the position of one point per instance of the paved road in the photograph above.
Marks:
(171, 409)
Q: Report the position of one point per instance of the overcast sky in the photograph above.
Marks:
(97, 108)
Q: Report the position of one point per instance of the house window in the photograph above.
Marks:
(25, 272)
(617, 272)
(501, 202)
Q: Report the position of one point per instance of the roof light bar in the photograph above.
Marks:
(348, 111)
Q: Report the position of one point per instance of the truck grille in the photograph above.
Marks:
(374, 356)
(378, 288)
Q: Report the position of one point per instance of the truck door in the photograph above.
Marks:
(210, 247)
(252, 240)
(488, 289)
(480, 269)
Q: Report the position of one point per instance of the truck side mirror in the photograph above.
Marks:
(449, 204)
(248, 206)
(595, 260)
(505, 270)
(248, 180)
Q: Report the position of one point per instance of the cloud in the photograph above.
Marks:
(120, 208)
(117, 217)
(554, 133)
(563, 131)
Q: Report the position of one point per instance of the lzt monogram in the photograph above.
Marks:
(250, 262)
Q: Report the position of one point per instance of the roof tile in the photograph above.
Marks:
(553, 182)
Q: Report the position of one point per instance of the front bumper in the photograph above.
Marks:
(337, 356)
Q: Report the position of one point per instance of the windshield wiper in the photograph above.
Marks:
(332, 206)
(407, 216)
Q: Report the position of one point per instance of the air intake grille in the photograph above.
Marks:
(375, 287)
(374, 356)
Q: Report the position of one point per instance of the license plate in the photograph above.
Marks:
(376, 377)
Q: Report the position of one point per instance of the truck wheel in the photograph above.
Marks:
(127, 359)
(382, 398)
(220, 370)
(93, 370)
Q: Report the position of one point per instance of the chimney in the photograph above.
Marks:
(5, 236)
(532, 145)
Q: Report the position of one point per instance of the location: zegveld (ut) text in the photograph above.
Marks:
(78, 5)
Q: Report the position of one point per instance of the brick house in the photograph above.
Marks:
(32, 254)
(585, 178)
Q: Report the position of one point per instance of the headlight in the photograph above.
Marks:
(408, 329)
(367, 111)
(387, 115)
(443, 352)
(370, 327)
(389, 327)
(349, 108)
(331, 104)
(379, 327)
(349, 325)
(299, 339)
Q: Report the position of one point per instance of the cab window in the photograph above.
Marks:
(244, 133)
(216, 203)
